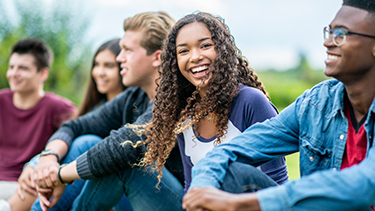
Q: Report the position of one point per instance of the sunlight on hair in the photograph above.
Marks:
(183, 125)
(139, 130)
(137, 144)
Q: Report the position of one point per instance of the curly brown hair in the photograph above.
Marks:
(178, 104)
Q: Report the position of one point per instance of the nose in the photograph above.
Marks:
(101, 70)
(121, 57)
(329, 42)
(196, 56)
(12, 71)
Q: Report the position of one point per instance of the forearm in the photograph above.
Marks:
(98, 122)
(59, 146)
(68, 173)
(210, 198)
(350, 189)
(245, 202)
(258, 144)
(110, 156)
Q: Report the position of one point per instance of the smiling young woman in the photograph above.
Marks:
(207, 95)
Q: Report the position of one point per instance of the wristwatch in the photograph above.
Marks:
(50, 152)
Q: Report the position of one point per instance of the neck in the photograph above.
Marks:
(202, 92)
(150, 90)
(111, 95)
(26, 101)
(361, 94)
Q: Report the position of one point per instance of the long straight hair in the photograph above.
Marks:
(92, 96)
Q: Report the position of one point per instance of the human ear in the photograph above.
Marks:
(156, 58)
(43, 74)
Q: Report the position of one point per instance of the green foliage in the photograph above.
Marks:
(61, 25)
(285, 86)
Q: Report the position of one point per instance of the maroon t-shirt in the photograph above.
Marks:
(24, 133)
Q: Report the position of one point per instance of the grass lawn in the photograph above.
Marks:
(292, 162)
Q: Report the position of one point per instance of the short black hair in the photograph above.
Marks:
(39, 49)
(368, 5)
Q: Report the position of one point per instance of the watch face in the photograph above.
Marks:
(49, 152)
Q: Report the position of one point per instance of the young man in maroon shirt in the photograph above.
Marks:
(28, 115)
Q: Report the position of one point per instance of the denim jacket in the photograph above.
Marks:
(314, 125)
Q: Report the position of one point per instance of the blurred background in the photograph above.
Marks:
(283, 40)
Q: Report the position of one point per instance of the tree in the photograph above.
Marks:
(285, 86)
(61, 25)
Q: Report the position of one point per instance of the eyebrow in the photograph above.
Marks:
(338, 26)
(23, 66)
(200, 40)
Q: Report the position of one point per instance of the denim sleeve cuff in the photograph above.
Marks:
(204, 181)
(273, 198)
(83, 167)
(33, 162)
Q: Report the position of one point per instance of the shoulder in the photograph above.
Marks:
(6, 97)
(131, 93)
(5, 92)
(327, 86)
(246, 92)
(326, 90)
(57, 103)
(57, 99)
(250, 96)
(250, 106)
(326, 97)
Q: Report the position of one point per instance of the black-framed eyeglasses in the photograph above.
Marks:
(339, 35)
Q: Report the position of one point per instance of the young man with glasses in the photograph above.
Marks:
(331, 126)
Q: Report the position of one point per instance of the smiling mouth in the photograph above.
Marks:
(123, 70)
(101, 82)
(197, 71)
(332, 57)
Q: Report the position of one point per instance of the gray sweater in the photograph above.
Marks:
(108, 156)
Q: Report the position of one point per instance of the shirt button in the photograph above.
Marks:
(311, 159)
(342, 136)
(334, 168)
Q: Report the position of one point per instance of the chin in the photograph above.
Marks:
(329, 72)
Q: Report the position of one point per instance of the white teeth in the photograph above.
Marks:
(332, 57)
(199, 69)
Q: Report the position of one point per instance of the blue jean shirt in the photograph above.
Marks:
(315, 126)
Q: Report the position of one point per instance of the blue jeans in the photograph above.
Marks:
(140, 188)
(79, 146)
(242, 178)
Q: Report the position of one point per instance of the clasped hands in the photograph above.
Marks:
(213, 199)
(47, 183)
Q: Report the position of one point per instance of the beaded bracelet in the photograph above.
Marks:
(59, 176)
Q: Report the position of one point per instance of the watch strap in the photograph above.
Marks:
(50, 152)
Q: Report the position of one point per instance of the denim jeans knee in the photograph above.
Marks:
(242, 178)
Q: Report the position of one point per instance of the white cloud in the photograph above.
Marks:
(216, 6)
(280, 58)
(270, 33)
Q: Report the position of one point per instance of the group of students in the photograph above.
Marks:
(195, 128)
